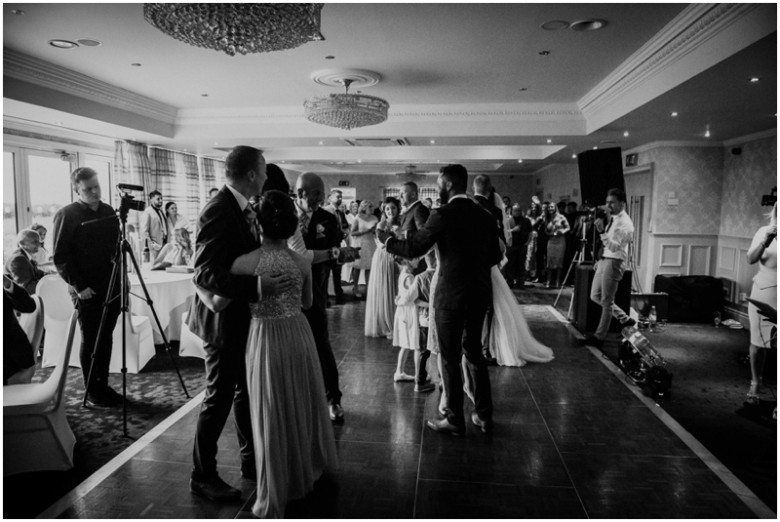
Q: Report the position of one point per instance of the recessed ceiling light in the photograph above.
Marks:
(555, 25)
(625, 134)
(205, 95)
(63, 44)
(360, 161)
(433, 142)
(755, 79)
(216, 143)
(549, 140)
(707, 132)
(595, 148)
(674, 114)
(519, 161)
(588, 25)
(136, 64)
(573, 156)
(18, 12)
(322, 143)
(544, 53)
(90, 42)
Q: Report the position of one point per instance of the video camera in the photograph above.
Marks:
(127, 201)
(593, 213)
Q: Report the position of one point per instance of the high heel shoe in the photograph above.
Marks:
(752, 398)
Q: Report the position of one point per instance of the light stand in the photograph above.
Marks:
(579, 257)
(119, 270)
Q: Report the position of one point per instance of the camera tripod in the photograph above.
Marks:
(579, 257)
(119, 271)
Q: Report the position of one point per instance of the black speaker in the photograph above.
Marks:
(736, 151)
(586, 313)
(600, 170)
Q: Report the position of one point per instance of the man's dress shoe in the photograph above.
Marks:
(486, 425)
(445, 426)
(214, 489)
(592, 340)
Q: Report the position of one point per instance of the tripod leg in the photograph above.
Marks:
(156, 318)
(101, 327)
(574, 261)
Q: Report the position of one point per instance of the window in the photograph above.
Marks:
(49, 183)
(9, 204)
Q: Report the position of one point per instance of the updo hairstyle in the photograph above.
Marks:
(276, 213)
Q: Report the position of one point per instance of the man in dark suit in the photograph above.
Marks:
(413, 216)
(334, 207)
(317, 238)
(20, 266)
(468, 247)
(225, 232)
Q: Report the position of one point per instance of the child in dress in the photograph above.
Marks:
(422, 283)
(406, 327)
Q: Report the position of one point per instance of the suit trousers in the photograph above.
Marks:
(460, 332)
(225, 387)
(609, 272)
(317, 317)
(90, 314)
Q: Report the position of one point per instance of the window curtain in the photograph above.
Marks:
(132, 166)
(164, 173)
(212, 175)
(188, 184)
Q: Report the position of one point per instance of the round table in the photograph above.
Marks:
(171, 295)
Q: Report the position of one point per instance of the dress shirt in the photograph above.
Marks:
(618, 236)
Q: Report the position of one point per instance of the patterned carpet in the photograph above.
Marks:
(153, 395)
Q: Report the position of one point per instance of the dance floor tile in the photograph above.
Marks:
(650, 487)
(513, 454)
(446, 499)
(610, 427)
(396, 420)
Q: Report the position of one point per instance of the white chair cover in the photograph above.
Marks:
(58, 304)
(36, 434)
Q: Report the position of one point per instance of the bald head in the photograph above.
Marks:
(309, 191)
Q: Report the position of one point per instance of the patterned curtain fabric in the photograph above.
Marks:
(187, 190)
(163, 173)
(212, 175)
(132, 166)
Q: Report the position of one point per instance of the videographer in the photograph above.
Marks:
(83, 254)
(609, 269)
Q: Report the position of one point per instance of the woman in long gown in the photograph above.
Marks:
(293, 436)
(362, 237)
(382, 287)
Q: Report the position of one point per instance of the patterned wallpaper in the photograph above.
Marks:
(746, 178)
(688, 188)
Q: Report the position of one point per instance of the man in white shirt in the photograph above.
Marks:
(609, 270)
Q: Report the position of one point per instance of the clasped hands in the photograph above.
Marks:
(348, 254)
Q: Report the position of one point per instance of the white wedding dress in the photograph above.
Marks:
(511, 340)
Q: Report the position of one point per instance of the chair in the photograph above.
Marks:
(190, 345)
(36, 434)
(32, 324)
(53, 290)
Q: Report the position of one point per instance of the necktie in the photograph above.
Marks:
(163, 224)
(303, 222)
(609, 225)
(251, 219)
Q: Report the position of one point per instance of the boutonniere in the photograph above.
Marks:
(320, 231)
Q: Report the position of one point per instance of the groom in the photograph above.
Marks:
(225, 232)
(468, 247)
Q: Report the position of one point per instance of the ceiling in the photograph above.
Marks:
(480, 84)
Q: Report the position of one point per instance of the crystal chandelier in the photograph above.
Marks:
(238, 28)
(346, 111)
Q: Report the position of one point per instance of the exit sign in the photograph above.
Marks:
(343, 183)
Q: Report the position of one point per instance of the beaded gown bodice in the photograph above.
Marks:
(286, 304)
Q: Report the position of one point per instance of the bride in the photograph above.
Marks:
(510, 338)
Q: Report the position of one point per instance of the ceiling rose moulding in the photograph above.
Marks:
(699, 37)
(25, 68)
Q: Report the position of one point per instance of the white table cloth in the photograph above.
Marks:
(171, 296)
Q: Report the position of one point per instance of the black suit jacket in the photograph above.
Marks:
(494, 211)
(415, 217)
(22, 271)
(323, 233)
(17, 351)
(467, 238)
(223, 235)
